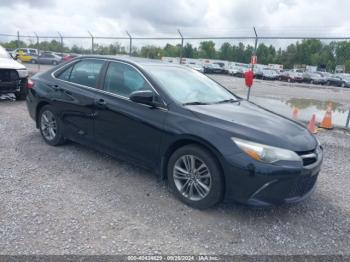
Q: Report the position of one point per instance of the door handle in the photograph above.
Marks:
(55, 87)
(101, 103)
(67, 92)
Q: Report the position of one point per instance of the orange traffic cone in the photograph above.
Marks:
(327, 120)
(312, 125)
(295, 113)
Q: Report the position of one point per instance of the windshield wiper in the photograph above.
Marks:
(194, 103)
(231, 100)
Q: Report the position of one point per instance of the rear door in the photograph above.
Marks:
(75, 92)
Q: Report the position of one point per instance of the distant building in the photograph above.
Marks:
(311, 68)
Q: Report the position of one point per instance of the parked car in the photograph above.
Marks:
(291, 76)
(214, 68)
(313, 78)
(209, 143)
(196, 67)
(266, 74)
(237, 70)
(47, 58)
(24, 54)
(333, 80)
(69, 57)
(24, 51)
(346, 81)
(13, 75)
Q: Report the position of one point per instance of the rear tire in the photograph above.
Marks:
(50, 126)
(33, 61)
(204, 177)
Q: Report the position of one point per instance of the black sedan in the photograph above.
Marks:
(208, 143)
(334, 80)
(215, 68)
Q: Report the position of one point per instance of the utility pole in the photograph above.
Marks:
(17, 44)
(37, 50)
(92, 42)
(130, 43)
(61, 41)
(182, 45)
(254, 54)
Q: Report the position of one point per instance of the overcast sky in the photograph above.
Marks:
(164, 17)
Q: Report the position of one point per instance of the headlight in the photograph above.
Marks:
(22, 73)
(265, 153)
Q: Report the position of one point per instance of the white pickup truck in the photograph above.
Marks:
(13, 75)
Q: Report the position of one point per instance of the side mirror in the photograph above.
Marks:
(145, 97)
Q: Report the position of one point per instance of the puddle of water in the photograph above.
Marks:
(307, 107)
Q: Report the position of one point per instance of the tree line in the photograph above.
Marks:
(308, 52)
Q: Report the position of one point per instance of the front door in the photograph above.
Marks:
(126, 128)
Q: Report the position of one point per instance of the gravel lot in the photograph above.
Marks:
(73, 200)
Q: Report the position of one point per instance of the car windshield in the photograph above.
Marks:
(188, 86)
(3, 53)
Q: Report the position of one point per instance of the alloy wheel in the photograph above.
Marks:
(48, 125)
(192, 177)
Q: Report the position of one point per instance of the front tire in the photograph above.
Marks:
(195, 177)
(50, 126)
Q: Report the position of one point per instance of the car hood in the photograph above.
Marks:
(249, 121)
(9, 63)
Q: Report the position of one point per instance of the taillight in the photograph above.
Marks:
(30, 83)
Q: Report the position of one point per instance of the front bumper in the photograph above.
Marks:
(258, 184)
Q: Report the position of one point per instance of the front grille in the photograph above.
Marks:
(308, 157)
(8, 75)
(302, 186)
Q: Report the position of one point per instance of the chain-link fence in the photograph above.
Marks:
(278, 52)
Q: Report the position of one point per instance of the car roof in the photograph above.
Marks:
(139, 61)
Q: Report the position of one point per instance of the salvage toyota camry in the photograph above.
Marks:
(207, 142)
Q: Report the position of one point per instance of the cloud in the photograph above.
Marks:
(30, 3)
(163, 17)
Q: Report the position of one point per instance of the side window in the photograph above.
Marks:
(122, 79)
(65, 74)
(86, 72)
